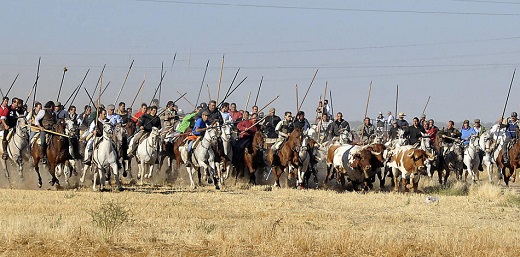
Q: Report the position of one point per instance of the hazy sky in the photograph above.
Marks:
(462, 53)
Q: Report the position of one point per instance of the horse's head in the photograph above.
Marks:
(21, 128)
(70, 128)
(119, 133)
(225, 132)
(258, 140)
(212, 133)
(485, 142)
(108, 130)
(295, 139)
(155, 132)
(129, 127)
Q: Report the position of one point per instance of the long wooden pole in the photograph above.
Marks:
(186, 99)
(97, 83)
(98, 108)
(141, 87)
(209, 93)
(12, 84)
(75, 92)
(366, 112)
(258, 92)
(396, 101)
(247, 103)
(220, 79)
(508, 92)
(270, 102)
(424, 110)
(229, 88)
(36, 82)
(331, 105)
(297, 107)
(202, 84)
(124, 82)
(305, 96)
(61, 84)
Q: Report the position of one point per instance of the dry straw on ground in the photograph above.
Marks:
(260, 222)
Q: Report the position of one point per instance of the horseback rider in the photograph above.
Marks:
(380, 122)
(283, 128)
(511, 136)
(393, 132)
(414, 132)
(448, 135)
(198, 131)
(97, 128)
(122, 112)
(247, 129)
(84, 118)
(401, 122)
(301, 122)
(9, 124)
(335, 128)
(367, 130)
(224, 111)
(140, 113)
(466, 132)
(45, 120)
(113, 117)
(269, 124)
(59, 111)
(213, 113)
(31, 116)
(146, 123)
(480, 130)
(169, 117)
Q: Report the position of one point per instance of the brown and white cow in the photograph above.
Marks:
(408, 163)
(356, 164)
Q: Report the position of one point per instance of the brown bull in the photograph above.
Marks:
(408, 163)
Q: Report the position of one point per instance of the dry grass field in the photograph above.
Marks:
(258, 221)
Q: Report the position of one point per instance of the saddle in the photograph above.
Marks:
(9, 135)
(192, 138)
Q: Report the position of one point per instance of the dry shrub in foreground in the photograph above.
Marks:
(256, 222)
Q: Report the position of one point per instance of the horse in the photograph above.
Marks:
(225, 152)
(253, 158)
(130, 128)
(120, 138)
(71, 130)
(147, 154)
(471, 159)
(304, 159)
(104, 159)
(491, 148)
(16, 146)
(57, 153)
(509, 170)
(287, 155)
(451, 160)
(202, 157)
(167, 147)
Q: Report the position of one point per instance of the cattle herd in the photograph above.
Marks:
(217, 156)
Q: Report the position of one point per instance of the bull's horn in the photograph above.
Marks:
(410, 154)
(375, 153)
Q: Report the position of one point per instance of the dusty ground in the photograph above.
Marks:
(256, 221)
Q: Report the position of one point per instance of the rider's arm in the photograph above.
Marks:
(39, 117)
(278, 128)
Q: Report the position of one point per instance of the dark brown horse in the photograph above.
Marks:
(57, 152)
(130, 128)
(286, 156)
(253, 158)
(509, 170)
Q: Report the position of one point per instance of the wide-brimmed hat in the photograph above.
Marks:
(401, 114)
(477, 121)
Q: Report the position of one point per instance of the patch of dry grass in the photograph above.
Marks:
(259, 222)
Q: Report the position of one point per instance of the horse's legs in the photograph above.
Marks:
(114, 169)
(150, 170)
(94, 182)
(85, 169)
(19, 161)
(52, 171)
(37, 169)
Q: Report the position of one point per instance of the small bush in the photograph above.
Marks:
(110, 217)
(455, 189)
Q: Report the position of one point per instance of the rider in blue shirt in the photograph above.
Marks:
(467, 132)
(198, 129)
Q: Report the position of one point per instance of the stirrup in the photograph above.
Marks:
(4, 156)
(44, 160)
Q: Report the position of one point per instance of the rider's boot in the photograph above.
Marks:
(4, 148)
(43, 152)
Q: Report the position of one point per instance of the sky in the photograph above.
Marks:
(459, 53)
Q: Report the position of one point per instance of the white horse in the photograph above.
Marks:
(491, 148)
(471, 159)
(147, 154)
(226, 134)
(17, 146)
(397, 142)
(203, 155)
(104, 159)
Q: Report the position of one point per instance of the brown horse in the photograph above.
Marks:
(130, 128)
(286, 156)
(253, 158)
(57, 153)
(509, 170)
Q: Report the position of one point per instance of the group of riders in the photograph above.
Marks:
(173, 122)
